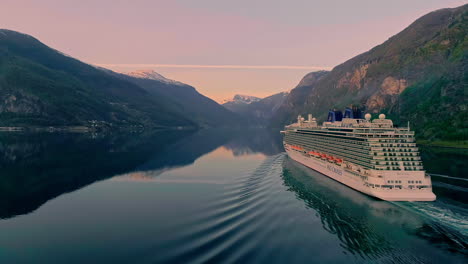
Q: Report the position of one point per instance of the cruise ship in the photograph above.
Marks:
(373, 157)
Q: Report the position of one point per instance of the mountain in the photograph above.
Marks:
(40, 86)
(152, 75)
(239, 102)
(256, 111)
(184, 99)
(242, 99)
(262, 111)
(418, 75)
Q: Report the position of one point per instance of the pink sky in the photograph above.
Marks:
(139, 34)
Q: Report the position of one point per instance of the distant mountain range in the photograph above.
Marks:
(184, 99)
(418, 75)
(40, 86)
(239, 102)
(256, 111)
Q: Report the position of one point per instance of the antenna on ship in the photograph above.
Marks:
(408, 126)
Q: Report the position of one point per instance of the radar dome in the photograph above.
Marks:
(367, 117)
(381, 116)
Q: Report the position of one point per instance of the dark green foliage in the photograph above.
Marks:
(436, 108)
(428, 58)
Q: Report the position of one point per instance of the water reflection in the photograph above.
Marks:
(206, 196)
(443, 162)
(37, 167)
(369, 227)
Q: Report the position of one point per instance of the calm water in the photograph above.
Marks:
(212, 196)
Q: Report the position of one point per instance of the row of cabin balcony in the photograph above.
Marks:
(391, 140)
(394, 153)
(402, 145)
(326, 143)
(397, 158)
(398, 150)
(348, 155)
(407, 168)
(316, 145)
(393, 163)
(339, 152)
(397, 145)
(382, 134)
(402, 155)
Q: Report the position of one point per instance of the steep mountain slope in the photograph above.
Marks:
(418, 75)
(40, 86)
(294, 103)
(185, 100)
(262, 111)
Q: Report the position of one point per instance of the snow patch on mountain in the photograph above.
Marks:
(152, 75)
(242, 99)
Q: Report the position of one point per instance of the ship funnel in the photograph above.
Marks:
(310, 118)
(348, 113)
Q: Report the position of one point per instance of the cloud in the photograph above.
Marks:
(194, 66)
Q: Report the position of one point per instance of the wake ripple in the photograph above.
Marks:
(228, 229)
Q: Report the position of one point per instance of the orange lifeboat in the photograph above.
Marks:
(297, 147)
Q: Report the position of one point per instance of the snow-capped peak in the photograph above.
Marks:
(242, 99)
(152, 75)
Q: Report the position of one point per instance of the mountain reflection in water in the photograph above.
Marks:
(209, 196)
(36, 167)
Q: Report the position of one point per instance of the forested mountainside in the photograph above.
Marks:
(418, 75)
(40, 86)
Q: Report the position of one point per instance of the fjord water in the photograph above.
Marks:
(217, 196)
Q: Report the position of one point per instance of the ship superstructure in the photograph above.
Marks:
(373, 157)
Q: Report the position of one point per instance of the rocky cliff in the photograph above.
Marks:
(418, 75)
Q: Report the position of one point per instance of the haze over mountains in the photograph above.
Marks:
(418, 75)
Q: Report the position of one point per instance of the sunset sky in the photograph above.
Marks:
(254, 47)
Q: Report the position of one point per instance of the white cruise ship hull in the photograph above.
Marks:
(338, 173)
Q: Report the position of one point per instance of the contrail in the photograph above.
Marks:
(195, 66)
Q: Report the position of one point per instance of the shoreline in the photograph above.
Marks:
(86, 129)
